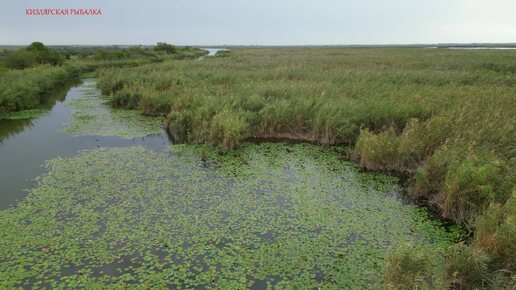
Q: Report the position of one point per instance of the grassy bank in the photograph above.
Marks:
(444, 117)
(22, 89)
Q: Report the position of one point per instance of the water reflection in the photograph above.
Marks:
(26, 144)
(213, 51)
(11, 128)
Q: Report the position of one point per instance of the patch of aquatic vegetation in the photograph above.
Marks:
(264, 216)
(94, 116)
(87, 75)
(20, 115)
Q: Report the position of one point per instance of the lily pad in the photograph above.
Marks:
(94, 116)
(267, 215)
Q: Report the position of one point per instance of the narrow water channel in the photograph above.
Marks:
(139, 212)
(26, 144)
(213, 51)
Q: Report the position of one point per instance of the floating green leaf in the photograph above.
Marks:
(94, 116)
(292, 217)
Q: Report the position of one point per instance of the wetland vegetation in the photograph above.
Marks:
(30, 73)
(443, 117)
(224, 213)
(264, 215)
(93, 116)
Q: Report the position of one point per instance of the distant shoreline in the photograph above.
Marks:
(427, 45)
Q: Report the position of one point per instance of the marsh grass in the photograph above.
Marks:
(465, 268)
(409, 267)
(22, 90)
(414, 267)
(445, 117)
(496, 232)
(223, 53)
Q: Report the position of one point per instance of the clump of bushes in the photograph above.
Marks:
(45, 55)
(165, 47)
(22, 89)
(20, 59)
(35, 53)
(173, 52)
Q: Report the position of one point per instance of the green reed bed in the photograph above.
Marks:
(443, 117)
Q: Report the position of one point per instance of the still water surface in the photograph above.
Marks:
(285, 216)
(26, 144)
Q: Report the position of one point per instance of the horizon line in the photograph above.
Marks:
(288, 45)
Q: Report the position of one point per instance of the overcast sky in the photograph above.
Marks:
(262, 22)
